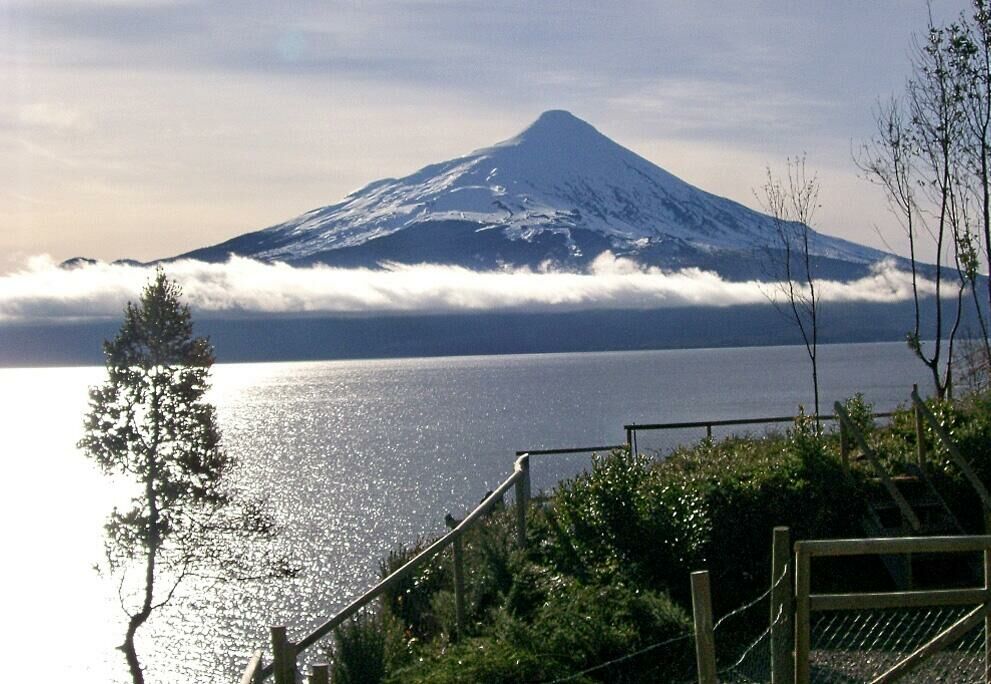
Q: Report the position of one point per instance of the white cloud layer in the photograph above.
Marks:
(42, 291)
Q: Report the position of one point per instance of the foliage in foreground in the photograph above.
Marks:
(605, 571)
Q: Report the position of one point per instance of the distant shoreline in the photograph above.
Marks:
(258, 339)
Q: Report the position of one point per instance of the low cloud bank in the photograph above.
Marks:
(42, 291)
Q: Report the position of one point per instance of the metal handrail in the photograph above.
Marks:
(570, 450)
(734, 421)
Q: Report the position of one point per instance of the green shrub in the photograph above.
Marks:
(709, 506)
(411, 599)
(575, 626)
(365, 648)
(861, 413)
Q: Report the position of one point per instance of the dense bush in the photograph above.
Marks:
(711, 506)
(411, 599)
(365, 648)
(574, 625)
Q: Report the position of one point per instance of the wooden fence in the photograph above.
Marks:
(286, 652)
(807, 602)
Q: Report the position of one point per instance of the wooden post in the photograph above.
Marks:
(283, 656)
(705, 642)
(459, 585)
(320, 674)
(527, 491)
(708, 432)
(522, 500)
(629, 439)
(803, 625)
(920, 433)
(782, 616)
(987, 589)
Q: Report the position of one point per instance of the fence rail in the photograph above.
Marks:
(633, 428)
(570, 450)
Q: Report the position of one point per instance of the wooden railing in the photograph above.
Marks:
(285, 652)
(923, 414)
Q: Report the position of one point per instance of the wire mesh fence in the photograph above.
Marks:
(859, 646)
(743, 640)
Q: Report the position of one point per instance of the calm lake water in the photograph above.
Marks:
(358, 457)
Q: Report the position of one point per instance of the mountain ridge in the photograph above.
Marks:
(558, 193)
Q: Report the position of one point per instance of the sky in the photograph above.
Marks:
(143, 129)
(146, 128)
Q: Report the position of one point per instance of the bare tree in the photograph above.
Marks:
(918, 158)
(969, 46)
(792, 204)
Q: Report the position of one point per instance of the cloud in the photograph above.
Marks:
(53, 117)
(42, 291)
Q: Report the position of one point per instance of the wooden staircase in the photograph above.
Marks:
(884, 518)
(935, 518)
(909, 505)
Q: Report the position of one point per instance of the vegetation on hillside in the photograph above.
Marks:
(605, 572)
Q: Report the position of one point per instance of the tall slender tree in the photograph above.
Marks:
(792, 204)
(150, 422)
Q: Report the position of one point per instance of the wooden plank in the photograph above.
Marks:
(571, 450)
(955, 454)
(283, 656)
(703, 423)
(522, 468)
(730, 422)
(891, 545)
(253, 669)
(942, 640)
(903, 505)
(803, 625)
(320, 674)
(782, 615)
(705, 642)
(987, 616)
(898, 599)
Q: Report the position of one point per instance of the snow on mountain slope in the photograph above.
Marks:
(559, 181)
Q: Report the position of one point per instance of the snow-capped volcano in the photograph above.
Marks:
(558, 192)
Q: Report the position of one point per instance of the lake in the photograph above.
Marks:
(357, 458)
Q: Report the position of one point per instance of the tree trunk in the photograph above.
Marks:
(130, 652)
